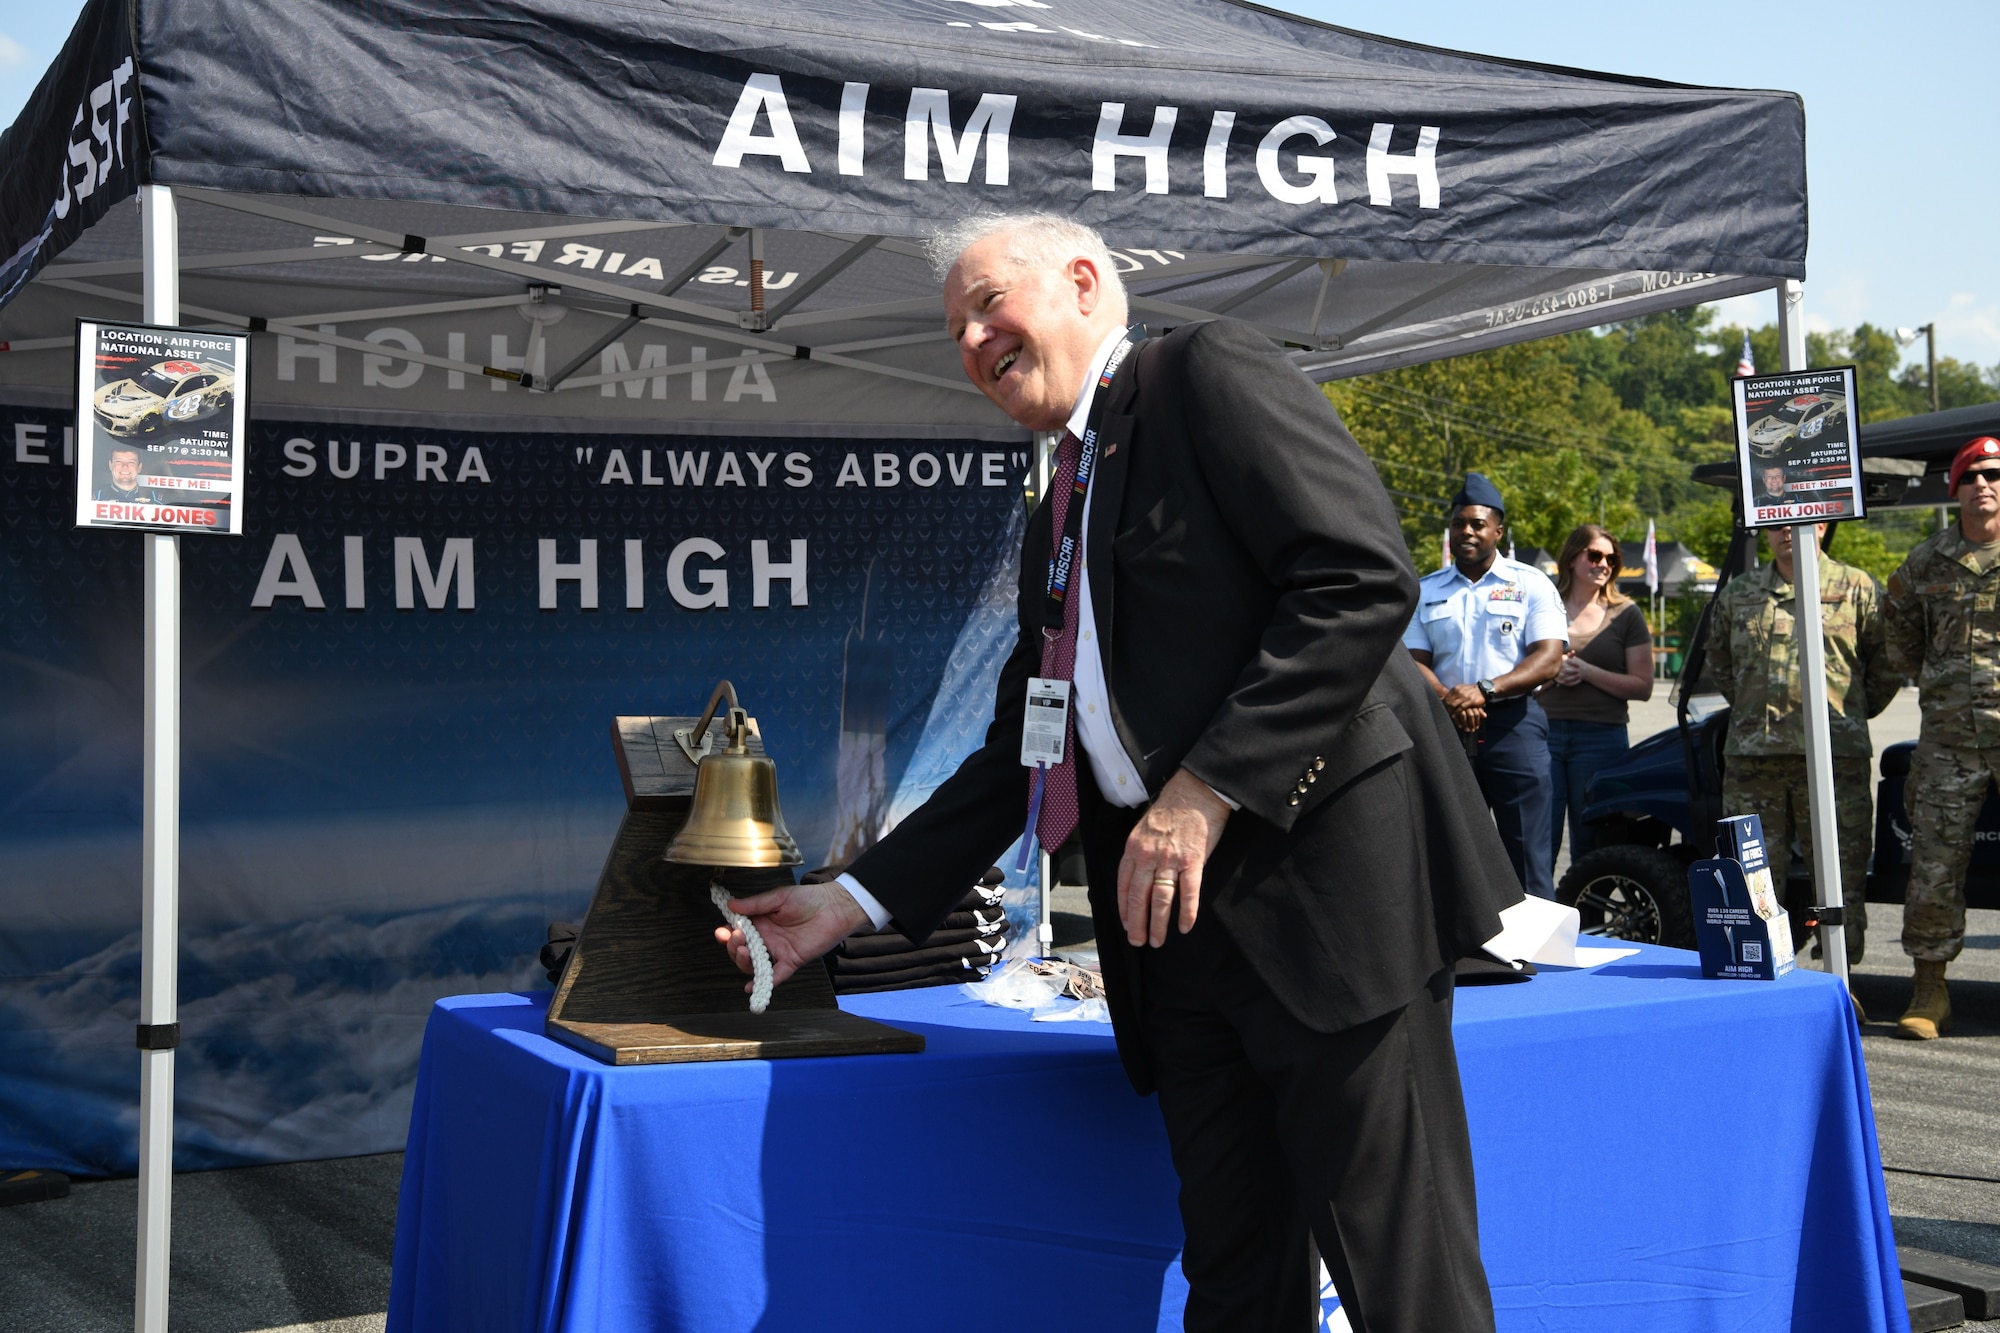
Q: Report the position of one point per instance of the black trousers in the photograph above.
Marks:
(1517, 779)
(1284, 1137)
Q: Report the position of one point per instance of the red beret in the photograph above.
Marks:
(1975, 451)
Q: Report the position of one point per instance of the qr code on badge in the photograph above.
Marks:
(1753, 951)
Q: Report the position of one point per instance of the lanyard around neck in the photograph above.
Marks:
(1062, 560)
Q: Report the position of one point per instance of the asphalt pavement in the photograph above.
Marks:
(1936, 1111)
(303, 1246)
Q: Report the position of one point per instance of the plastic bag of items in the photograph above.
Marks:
(1050, 990)
(962, 948)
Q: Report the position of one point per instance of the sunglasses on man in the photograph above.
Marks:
(1990, 475)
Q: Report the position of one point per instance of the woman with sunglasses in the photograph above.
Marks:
(1610, 661)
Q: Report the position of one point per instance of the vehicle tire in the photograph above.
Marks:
(1629, 892)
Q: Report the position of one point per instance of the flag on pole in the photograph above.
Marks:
(1652, 560)
(1746, 366)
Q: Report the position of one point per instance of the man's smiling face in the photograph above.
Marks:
(1025, 332)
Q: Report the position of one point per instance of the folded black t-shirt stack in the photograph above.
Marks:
(969, 941)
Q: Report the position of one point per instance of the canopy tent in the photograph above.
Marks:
(1679, 566)
(551, 231)
(406, 181)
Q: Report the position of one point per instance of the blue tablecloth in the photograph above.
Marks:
(1655, 1152)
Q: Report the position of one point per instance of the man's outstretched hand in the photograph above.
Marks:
(798, 923)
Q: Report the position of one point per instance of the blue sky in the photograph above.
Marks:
(1903, 156)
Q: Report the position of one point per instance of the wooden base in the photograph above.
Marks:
(647, 984)
(772, 1035)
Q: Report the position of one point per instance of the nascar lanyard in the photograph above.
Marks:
(1062, 564)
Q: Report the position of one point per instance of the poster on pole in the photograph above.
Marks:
(1798, 451)
(161, 417)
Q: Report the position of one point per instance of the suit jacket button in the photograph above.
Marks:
(1318, 764)
(1312, 777)
(1293, 799)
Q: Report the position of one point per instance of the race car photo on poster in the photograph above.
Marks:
(161, 416)
(1798, 455)
(163, 397)
(1804, 417)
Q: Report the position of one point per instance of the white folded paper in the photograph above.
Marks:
(1536, 930)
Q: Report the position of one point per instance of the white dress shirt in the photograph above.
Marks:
(1117, 778)
(1476, 630)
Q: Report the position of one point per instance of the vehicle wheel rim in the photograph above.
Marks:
(1619, 907)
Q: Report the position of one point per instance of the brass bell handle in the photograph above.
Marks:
(735, 727)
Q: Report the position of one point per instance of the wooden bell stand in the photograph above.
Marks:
(647, 984)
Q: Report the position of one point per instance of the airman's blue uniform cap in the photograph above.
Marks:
(1477, 490)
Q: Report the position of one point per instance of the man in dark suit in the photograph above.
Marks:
(1286, 847)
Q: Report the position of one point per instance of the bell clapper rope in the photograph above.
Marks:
(760, 957)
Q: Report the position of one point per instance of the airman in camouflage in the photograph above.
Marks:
(1753, 649)
(1944, 628)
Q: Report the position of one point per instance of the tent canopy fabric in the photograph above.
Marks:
(413, 176)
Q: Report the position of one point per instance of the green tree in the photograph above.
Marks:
(1608, 426)
(1706, 527)
(1864, 545)
(1427, 426)
(1960, 384)
(1550, 494)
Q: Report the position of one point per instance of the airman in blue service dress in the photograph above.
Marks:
(1477, 626)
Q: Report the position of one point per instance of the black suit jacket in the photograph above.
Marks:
(1250, 587)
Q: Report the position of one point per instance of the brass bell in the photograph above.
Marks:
(734, 818)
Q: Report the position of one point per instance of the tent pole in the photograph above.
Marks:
(159, 1028)
(1812, 666)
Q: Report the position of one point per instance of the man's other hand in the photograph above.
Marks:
(798, 923)
(1164, 854)
(1467, 707)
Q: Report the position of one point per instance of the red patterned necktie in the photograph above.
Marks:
(1059, 803)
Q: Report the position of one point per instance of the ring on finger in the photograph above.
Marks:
(1167, 878)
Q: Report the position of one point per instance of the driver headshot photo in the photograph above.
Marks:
(126, 479)
(1771, 483)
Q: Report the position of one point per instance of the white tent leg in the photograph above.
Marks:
(1812, 667)
(158, 1016)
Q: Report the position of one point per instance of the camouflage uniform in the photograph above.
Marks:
(1944, 628)
(1754, 653)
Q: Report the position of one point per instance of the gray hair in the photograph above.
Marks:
(1041, 240)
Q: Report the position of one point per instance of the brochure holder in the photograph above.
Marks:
(1739, 924)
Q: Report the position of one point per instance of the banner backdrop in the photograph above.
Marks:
(399, 686)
